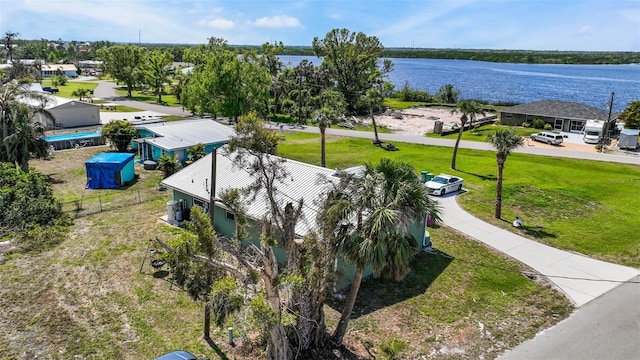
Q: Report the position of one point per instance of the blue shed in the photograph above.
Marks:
(109, 170)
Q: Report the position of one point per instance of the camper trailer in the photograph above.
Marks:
(593, 131)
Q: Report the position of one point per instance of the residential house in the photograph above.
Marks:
(561, 115)
(50, 70)
(176, 137)
(191, 186)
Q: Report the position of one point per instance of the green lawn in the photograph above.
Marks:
(481, 132)
(169, 100)
(585, 206)
(66, 90)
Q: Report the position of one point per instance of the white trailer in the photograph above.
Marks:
(593, 131)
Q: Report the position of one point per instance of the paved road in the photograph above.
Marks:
(606, 328)
(474, 145)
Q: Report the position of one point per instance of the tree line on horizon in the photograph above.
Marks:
(59, 50)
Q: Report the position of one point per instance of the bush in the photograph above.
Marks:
(28, 210)
(408, 94)
(169, 165)
(526, 125)
(548, 127)
(497, 122)
(120, 133)
(538, 123)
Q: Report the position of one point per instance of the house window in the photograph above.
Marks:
(230, 216)
(200, 203)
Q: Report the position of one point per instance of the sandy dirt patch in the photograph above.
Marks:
(420, 120)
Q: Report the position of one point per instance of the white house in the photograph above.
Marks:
(68, 70)
(69, 113)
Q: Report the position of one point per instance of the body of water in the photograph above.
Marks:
(522, 83)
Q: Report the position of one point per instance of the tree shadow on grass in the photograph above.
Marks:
(376, 294)
(537, 232)
(489, 177)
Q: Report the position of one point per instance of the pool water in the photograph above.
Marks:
(73, 136)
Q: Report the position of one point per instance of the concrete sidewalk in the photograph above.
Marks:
(582, 279)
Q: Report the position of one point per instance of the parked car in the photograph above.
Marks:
(178, 355)
(443, 184)
(49, 89)
(548, 137)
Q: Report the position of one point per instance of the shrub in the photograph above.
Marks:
(120, 133)
(548, 127)
(497, 122)
(526, 125)
(168, 164)
(538, 123)
(197, 152)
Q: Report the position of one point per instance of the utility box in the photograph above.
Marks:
(437, 127)
(426, 176)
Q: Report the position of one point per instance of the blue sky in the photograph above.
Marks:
(597, 25)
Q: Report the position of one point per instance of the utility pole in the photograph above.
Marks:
(212, 191)
(605, 135)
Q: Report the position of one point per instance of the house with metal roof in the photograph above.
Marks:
(176, 137)
(191, 186)
(561, 115)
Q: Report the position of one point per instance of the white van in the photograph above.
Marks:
(548, 137)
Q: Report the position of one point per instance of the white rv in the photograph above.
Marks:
(593, 131)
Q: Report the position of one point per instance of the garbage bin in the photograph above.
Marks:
(437, 127)
(423, 175)
(430, 176)
(426, 242)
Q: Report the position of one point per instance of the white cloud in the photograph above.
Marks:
(219, 23)
(278, 21)
(584, 29)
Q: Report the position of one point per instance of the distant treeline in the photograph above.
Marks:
(506, 56)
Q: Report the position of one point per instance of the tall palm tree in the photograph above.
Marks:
(505, 141)
(378, 209)
(373, 98)
(332, 105)
(469, 109)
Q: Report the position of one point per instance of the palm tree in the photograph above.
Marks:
(21, 121)
(332, 105)
(469, 109)
(505, 141)
(26, 139)
(80, 93)
(376, 215)
(373, 99)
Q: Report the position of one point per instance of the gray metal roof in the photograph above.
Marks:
(630, 132)
(301, 183)
(558, 109)
(175, 135)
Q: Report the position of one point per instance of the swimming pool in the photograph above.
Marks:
(74, 140)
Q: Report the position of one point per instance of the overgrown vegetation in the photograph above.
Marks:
(30, 216)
